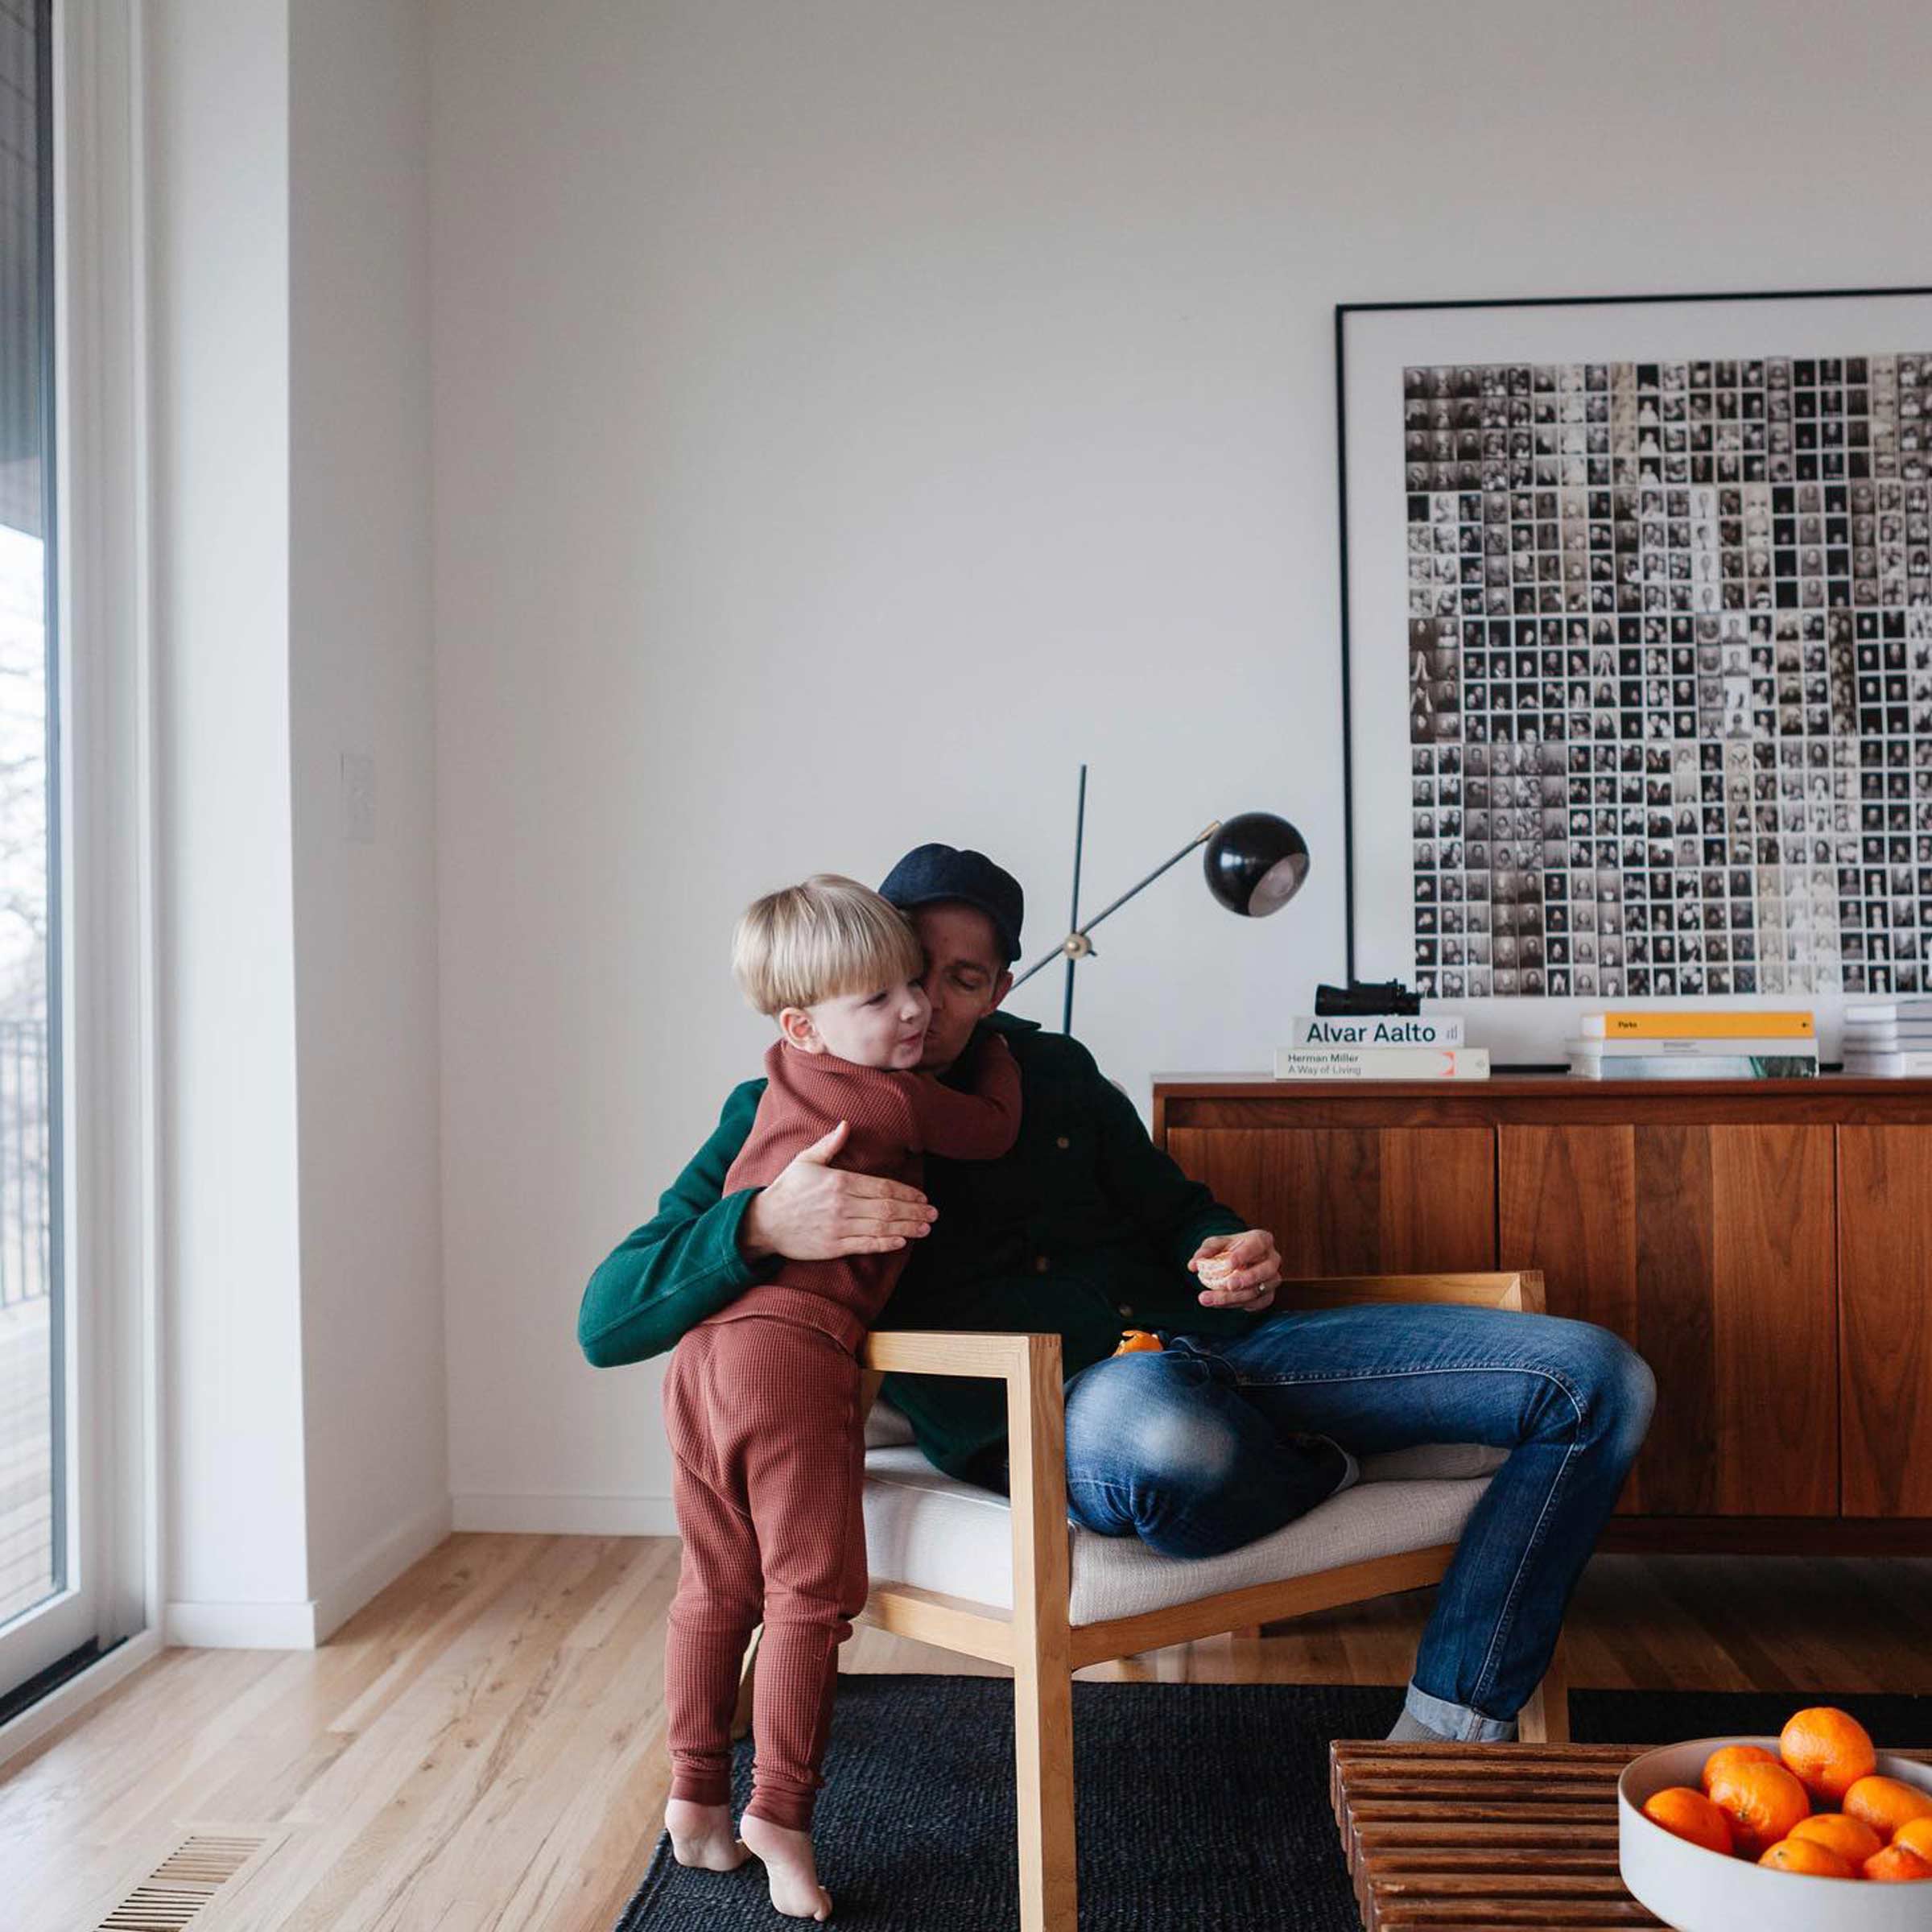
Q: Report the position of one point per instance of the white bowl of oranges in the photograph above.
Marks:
(1809, 1831)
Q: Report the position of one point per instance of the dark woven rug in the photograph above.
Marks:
(1202, 1805)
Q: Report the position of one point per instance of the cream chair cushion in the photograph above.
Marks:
(934, 1532)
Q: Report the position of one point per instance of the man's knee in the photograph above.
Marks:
(1626, 1391)
(1610, 1384)
(1141, 1443)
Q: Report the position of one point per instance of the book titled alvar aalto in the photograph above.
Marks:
(1378, 1029)
(1381, 1063)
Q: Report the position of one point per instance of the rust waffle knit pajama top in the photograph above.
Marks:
(761, 1406)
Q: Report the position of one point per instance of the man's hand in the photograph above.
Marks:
(815, 1212)
(1253, 1265)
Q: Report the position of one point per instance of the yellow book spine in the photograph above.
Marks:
(1709, 1026)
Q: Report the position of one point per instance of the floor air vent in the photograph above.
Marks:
(181, 1884)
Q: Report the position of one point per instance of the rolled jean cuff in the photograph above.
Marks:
(1457, 1721)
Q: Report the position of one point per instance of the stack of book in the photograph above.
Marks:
(1690, 1046)
(1889, 1039)
(1390, 1046)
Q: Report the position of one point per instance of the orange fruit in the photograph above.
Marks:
(1898, 1863)
(1851, 1838)
(1885, 1803)
(1689, 1815)
(1762, 1801)
(1915, 1835)
(1726, 1755)
(1828, 1751)
(1801, 1855)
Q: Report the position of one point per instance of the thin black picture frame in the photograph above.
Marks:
(1343, 311)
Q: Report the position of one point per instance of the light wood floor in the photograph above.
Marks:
(481, 1747)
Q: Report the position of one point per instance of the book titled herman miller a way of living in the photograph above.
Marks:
(1380, 1047)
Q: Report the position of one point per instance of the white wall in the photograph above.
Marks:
(849, 416)
(231, 1326)
(361, 681)
(303, 1280)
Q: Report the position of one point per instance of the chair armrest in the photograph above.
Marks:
(1517, 1288)
(1004, 1358)
(1036, 1454)
(1022, 1362)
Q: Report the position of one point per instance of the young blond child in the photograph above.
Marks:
(761, 1402)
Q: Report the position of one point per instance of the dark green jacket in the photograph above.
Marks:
(1084, 1227)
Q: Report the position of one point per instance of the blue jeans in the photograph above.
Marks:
(1217, 1440)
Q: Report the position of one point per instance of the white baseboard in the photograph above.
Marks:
(304, 1624)
(77, 1693)
(379, 1566)
(577, 1512)
(199, 1625)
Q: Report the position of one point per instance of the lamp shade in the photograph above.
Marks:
(1256, 864)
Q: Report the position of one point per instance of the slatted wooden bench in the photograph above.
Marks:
(1463, 1835)
(1443, 1838)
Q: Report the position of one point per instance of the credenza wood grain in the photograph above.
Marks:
(1884, 1261)
(1766, 1246)
(1355, 1200)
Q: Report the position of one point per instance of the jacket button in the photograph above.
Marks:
(1063, 1141)
(1041, 1263)
(1126, 1308)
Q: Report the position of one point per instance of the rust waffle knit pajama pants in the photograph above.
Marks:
(769, 1456)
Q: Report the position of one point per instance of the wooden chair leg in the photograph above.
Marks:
(1042, 1666)
(1044, 1762)
(1546, 1718)
(740, 1717)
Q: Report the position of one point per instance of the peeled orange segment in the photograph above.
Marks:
(1828, 1751)
(1885, 1803)
(1813, 1860)
(1689, 1815)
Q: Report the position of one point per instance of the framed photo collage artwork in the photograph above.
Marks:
(1638, 650)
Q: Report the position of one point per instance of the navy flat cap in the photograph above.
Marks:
(928, 873)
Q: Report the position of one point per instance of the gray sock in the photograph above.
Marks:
(1411, 1730)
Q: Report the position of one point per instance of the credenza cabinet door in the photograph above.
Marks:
(1711, 1249)
(1884, 1252)
(1354, 1200)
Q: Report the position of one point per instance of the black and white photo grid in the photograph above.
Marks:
(1670, 676)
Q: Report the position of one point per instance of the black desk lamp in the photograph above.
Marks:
(1255, 864)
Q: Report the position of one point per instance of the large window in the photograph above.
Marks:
(80, 1573)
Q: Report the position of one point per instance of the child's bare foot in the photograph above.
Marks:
(701, 1835)
(790, 1866)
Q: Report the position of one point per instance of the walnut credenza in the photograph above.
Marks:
(1767, 1247)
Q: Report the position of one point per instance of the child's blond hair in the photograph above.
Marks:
(829, 937)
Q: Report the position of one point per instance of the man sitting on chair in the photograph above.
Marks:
(1231, 1430)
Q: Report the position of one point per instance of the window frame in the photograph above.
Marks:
(102, 843)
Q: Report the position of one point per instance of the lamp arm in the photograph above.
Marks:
(1068, 950)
